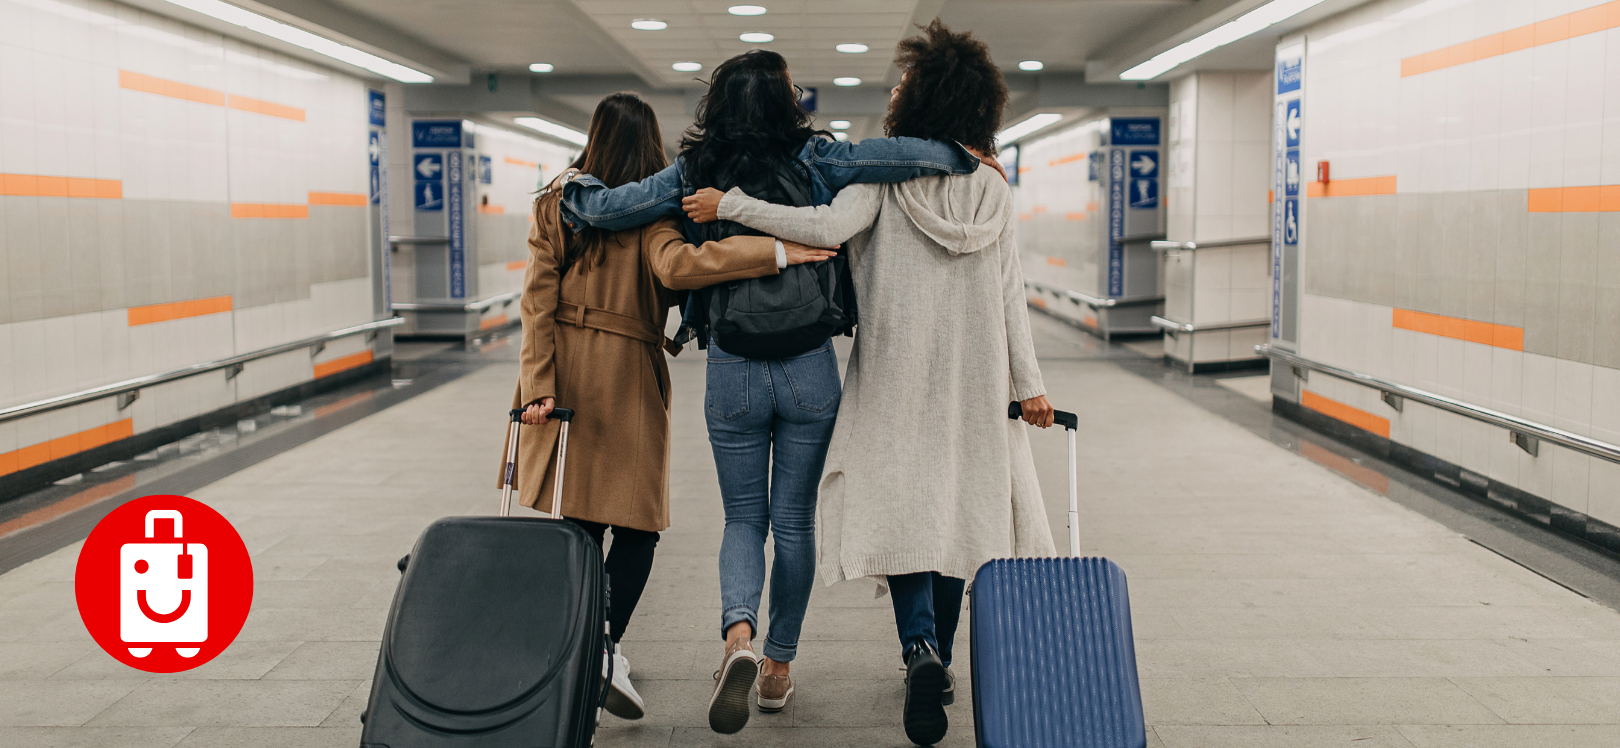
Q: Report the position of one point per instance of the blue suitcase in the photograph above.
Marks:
(1053, 659)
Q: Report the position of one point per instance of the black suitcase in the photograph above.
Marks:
(1054, 663)
(497, 632)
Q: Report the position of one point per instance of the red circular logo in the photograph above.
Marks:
(164, 583)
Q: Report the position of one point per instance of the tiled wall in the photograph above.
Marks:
(1060, 225)
(1466, 243)
(519, 166)
(168, 196)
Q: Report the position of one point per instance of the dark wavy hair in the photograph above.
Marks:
(624, 147)
(749, 118)
(952, 90)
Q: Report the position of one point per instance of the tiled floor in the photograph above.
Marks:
(1275, 603)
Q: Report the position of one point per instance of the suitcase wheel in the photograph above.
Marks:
(404, 561)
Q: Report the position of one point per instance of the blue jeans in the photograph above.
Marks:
(927, 607)
(769, 424)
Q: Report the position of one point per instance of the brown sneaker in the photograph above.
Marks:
(728, 705)
(774, 692)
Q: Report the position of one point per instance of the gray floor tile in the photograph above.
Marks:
(347, 714)
(1280, 736)
(1363, 701)
(240, 661)
(1548, 700)
(92, 737)
(59, 703)
(200, 703)
(327, 660)
(1512, 736)
(272, 737)
(1196, 701)
(37, 660)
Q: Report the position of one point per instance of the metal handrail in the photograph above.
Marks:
(471, 306)
(133, 385)
(1185, 246)
(1174, 326)
(418, 240)
(1519, 427)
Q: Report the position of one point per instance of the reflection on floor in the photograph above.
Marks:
(1275, 601)
(1257, 387)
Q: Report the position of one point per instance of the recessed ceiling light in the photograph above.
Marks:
(553, 129)
(853, 49)
(1031, 65)
(757, 37)
(1252, 22)
(847, 81)
(840, 136)
(300, 38)
(541, 67)
(687, 67)
(839, 124)
(648, 24)
(746, 10)
(1032, 124)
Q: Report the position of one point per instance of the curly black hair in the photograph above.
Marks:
(952, 90)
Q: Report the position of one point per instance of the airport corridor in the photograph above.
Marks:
(1275, 601)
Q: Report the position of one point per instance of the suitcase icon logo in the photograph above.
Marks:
(163, 589)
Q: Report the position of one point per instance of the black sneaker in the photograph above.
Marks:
(926, 680)
(948, 697)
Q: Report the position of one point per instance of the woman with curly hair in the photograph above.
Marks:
(926, 478)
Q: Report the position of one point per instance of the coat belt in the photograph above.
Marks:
(578, 315)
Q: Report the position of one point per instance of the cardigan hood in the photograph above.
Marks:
(958, 214)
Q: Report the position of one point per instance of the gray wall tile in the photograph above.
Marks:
(1512, 244)
(55, 256)
(1576, 266)
(1541, 282)
(1452, 250)
(1606, 293)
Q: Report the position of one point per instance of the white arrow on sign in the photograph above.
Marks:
(428, 168)
(1293, 124)
(1144, 164)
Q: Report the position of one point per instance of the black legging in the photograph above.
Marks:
(628, 565)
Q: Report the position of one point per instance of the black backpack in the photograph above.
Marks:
(775, 316)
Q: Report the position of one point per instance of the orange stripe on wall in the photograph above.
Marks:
(34, 185)
(493, 210)
(495, 321)
(268, 210)
(1604, 199)
(1354, 416)
(521, 162)
(342, 364)
(1501, 336)
(1579, 23)
(1076, 216)
(517, 264)
(171, 89)
(1068, 159)
(1362, 474)
(146, 315)
(1352, 187)
(56, 449)
(1058, 261)
(258, 106)
(337, 198)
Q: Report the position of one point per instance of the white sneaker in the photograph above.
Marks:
(622, 700)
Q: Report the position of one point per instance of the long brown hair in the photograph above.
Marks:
(624, 147)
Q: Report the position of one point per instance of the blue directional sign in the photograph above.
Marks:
(1291, 124)
(1291, 173)
(486, 170)
(1134, 130)
(1144, 164)
(1144, 193)
(379, 112)
(374, 153)
(436, 133)
(1290, 72)
(430, 196)
(1290, 227)
(428, 167)
(1095, 166)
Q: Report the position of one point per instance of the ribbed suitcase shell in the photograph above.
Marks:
(1053, 659)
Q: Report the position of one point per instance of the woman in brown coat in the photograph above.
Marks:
(594, 308)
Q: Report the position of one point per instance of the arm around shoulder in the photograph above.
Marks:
(850, 213)
(681, 265)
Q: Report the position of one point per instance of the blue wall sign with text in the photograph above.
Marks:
(1095, 166)
(374, 155)
(1134, 131)
(379, 110)
(427, 167)
(1116, 221)
(430, 196)
(436, 133)
(1289, 74)
(1144, 164)
(453, 198)
(486, 170)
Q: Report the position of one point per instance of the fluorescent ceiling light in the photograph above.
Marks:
(757, 37)
(847, 81)
(839, 124)
(687, 67)
(852, 49)
(648, 24)
(746, 10)
(1037, 122)
(1031, 65)
(553, 129)
(840, 136)
(542, 67)
(1255, 20)
(300, 38)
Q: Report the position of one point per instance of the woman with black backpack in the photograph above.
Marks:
(772, 381)
(594, 306)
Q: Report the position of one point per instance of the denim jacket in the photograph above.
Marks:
(832, 164)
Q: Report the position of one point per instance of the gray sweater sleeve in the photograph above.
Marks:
(850, 213)
(1026, 370)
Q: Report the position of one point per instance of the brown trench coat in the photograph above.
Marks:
(609, 366)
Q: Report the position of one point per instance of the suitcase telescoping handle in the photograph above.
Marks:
(1070, 423)
(509, 475)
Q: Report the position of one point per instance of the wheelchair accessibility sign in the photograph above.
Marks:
(164, 583)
